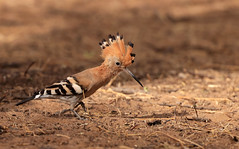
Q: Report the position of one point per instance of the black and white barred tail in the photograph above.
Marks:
(68, 87)
(25, 100)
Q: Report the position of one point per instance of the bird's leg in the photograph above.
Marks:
(72, 109)
(82, 105)
(62, 112)
(77, 115)
(66, 110)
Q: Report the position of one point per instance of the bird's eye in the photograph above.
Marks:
(117, 63)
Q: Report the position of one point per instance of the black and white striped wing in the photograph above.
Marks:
(68, 87)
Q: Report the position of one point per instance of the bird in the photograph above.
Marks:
(116, 58)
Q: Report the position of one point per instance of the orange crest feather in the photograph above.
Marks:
(116, 48)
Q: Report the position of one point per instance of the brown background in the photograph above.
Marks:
(186, 55)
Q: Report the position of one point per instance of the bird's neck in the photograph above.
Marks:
(105, 71)
(101, 76)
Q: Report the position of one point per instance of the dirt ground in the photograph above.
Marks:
(186, 56)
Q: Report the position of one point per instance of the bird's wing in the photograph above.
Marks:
(68, 87)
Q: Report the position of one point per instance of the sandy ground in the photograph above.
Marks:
(186, 57)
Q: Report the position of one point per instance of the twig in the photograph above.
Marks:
(134, 126)
(25, 73)
(212, 111)
(120, 113)
(199, 129)
(123, 90)
(111, 81)
(41, 130)
(198, 108)
(61, 135)
(194, 143)
(199, 119)
(29, 131)
(211, 99)
(135, 134)
(172, 137)
(176, 139)
(116, 93)
(2, 98)
(104, 129)
(195, 108)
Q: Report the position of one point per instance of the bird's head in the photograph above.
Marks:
(116, 56)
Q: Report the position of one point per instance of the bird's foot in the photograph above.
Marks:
(66, 110)
(77, 115)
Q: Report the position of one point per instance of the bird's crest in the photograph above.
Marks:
(116, 48)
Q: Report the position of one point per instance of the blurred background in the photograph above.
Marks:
(187, 55)
(59, 38)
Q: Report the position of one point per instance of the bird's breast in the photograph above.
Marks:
(96, 86)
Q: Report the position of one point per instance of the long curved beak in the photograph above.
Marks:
(132, 75)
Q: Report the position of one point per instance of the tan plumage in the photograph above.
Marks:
(75, 88)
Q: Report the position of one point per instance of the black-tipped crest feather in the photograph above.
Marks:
(131, 44)
(132, 54)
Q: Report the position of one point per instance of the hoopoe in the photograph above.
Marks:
(75, 88)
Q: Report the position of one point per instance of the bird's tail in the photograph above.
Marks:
(36, 95)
